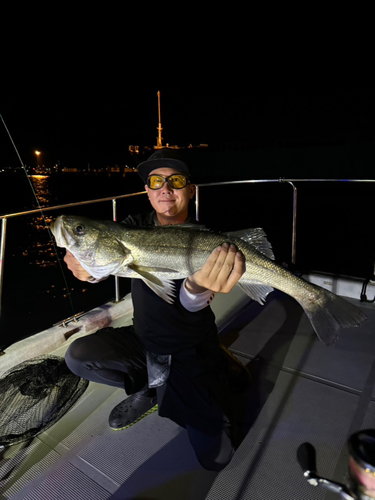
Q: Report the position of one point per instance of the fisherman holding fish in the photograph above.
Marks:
(173, 344)
(171, 355)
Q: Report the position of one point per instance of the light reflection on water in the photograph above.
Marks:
(41, 188)
(41, 251)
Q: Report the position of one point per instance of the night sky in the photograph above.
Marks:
(87, 102)
(78, 124)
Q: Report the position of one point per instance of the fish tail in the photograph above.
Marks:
(330, 313)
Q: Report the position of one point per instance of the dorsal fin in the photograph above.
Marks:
(255, 237)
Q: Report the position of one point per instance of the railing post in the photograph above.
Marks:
(117, 280)
(294, 221)
(294, 225)
(114, 209)
(197, 203)
(2, 256)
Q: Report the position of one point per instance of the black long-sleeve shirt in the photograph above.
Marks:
(166, 328)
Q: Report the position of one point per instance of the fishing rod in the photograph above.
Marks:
(2, 249)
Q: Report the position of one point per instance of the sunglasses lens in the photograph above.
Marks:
(177, 181)
(155, 181)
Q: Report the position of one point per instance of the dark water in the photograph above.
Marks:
(334, 234)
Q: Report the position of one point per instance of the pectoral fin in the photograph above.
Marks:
(164, 288)
(155, 269)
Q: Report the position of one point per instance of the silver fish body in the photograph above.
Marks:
(163, 254)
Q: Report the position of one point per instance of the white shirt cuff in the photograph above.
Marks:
(95, 280)
(195, 302)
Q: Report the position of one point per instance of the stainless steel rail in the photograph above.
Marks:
(2, 255)
(113, 199)
(67, 205)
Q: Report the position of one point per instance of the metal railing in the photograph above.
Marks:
(113, 199)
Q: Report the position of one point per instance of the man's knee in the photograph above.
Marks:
(75, 356)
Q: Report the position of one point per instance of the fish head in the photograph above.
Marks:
(97, 245)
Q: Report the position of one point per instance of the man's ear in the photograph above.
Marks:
(192, 190)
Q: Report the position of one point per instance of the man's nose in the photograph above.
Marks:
(167, 188)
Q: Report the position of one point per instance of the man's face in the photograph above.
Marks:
(170, 202)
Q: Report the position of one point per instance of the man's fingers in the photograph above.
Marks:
(224, 262)
(237, 271)
(211, 261)
(222, 270)
(227, 269)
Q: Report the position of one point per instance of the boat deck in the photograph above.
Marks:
(302, 391)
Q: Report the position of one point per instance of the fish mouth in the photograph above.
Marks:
(61, 233)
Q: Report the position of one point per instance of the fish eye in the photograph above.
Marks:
(80, 229)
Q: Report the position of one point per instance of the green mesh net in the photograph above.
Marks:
(34, 395)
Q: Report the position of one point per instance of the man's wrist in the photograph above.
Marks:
(194, 302)
(193, 287)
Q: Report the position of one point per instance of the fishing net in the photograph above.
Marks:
(34, 395)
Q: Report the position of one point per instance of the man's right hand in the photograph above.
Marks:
(76, 267)
(220, 273)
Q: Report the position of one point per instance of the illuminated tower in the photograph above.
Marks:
(159, 127)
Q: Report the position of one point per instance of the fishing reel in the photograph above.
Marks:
(361, 482)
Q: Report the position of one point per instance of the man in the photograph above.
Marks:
(171, 354)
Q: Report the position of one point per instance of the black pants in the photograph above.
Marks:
(190, 397)
(111, 356)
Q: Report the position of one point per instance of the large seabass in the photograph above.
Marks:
(162, 254)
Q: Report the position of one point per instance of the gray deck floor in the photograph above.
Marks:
(301, 391)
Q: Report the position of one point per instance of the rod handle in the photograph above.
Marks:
(306, 456)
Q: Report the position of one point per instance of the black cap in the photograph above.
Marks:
(163, 158)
